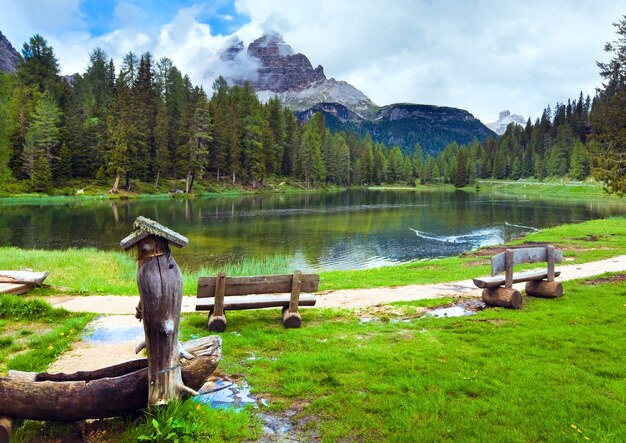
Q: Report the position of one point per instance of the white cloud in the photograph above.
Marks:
(483, 56)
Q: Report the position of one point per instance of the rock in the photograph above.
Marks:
(504, 119)
(9, 57)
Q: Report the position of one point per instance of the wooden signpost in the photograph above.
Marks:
(160, 300)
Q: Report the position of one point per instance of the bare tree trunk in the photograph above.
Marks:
(233, 176)
(116, 183)
(193, 178)
(156, 182)
(127, 181)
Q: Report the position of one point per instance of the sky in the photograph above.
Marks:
(484, 56)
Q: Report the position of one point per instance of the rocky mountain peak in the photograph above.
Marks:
(505, 118)
(9, 57)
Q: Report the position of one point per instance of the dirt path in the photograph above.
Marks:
(345, 298)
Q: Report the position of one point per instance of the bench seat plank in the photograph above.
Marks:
(255, 302)
(257, 285)
(498, 280)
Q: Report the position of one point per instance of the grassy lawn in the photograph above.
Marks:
(33, 334)
(551, 371)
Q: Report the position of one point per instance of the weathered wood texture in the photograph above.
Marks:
(77, 397)
(525, 255)
(234, 303)
(143, 227)
(270, 284)
(14, 288)
(544, 289)
(221, 293)
(160, 290)
(499, 280)
(28, 277)
(6, 428)
(500, 296)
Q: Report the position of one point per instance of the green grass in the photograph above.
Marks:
(33, 334)
(90, 271)
(548, 189)
(536, 374)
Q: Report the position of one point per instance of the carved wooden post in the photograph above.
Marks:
(160, 292)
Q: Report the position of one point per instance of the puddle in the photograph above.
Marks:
(462, 309)
(113, 329)
(225, 394)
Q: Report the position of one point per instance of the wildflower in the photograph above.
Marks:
(579, 431)
(586, 438)
(574, 426)
(61, 334)
(50, 347)
(197, 407)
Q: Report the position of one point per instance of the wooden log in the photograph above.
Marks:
(296, 287)
(544, 288)
(498, 280)
(69, 399)
(269, 284)
(217, 318)
(504, 297)
(291, 319)
(160, 290)
(6, 428)
(233, 303)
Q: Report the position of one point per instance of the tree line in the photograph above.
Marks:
(147, 121)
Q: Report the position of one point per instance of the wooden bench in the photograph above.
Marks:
(221, 293)
(539, 283)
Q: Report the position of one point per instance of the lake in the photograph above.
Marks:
(352, 229)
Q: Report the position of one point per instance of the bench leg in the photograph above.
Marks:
(217, 323)
(505, 297)
(544, 288)
(291, 319)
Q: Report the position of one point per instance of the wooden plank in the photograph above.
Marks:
(498, 280)
(550, 260)
(263, 284)
(29, 277)
(508, 261)
(523, 255)
(255, 302)
(14, 288)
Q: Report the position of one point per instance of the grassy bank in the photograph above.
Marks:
(89, 271)
(557, 189)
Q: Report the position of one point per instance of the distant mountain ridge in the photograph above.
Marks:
(291, 77)
(9, 57)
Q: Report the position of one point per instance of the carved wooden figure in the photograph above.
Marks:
(160, 290)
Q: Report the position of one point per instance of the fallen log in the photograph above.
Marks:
(26, 277)
(107, 392)
(544, 288)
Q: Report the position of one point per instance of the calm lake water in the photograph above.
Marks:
(316, 231)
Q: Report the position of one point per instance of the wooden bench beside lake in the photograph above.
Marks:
(539, 283)
(222, 293)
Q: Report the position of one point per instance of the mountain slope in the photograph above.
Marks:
(505, 119)
(290, 76)
(9, 57)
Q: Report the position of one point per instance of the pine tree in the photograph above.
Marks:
(196, 149)
(461, 175)
(41, 180)
(578, 163)
(43, 134)
(609, 119)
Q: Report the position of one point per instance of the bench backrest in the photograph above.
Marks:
(263, 284)
(524, 255)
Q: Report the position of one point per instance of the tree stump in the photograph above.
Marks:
(544, 288)
(504, 297)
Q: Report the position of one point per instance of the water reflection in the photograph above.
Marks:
(313, 231)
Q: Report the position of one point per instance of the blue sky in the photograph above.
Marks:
(481, 55)
(102, 17)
